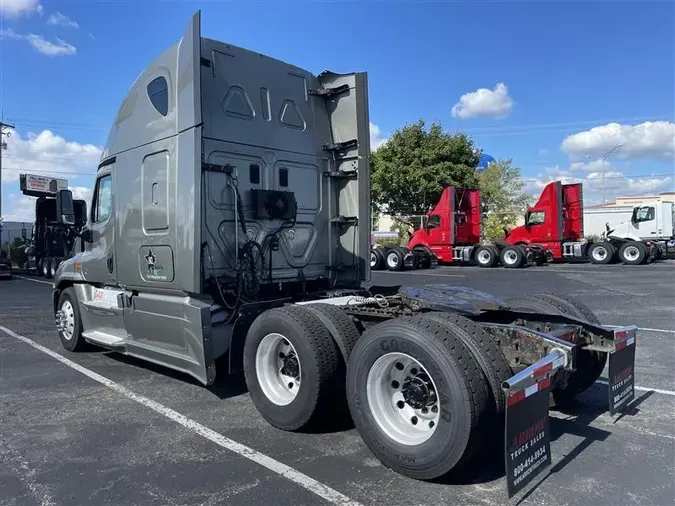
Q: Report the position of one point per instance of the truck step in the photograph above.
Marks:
(103, 338)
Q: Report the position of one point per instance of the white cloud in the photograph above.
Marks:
(649, 140)
(19, 208)
(615, 182)
(40, 44)
(16, 8)
(494, 103)
(47, 154)
(62, 20)
(543, 152)
(91, 36)
(376, 138)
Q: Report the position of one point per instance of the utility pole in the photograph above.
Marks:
(3, 146)
(603, 169)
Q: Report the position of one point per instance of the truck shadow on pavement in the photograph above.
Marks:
(228, 386)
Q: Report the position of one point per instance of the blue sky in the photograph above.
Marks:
(521, 77)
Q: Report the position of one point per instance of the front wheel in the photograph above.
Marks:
(68, 321)
(417, 397)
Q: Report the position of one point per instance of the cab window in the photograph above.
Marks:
(433, 221)
(102, 204)
(536, 218)
(645, 214)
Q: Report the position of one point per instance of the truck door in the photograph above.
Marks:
(98, 298)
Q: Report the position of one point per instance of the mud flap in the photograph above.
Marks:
(621, 369)
(527, 444)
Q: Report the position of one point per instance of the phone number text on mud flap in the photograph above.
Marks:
(529, 461)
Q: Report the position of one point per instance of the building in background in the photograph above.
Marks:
(639, 201)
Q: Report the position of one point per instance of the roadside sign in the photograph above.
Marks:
(621, 370)
(38, 186)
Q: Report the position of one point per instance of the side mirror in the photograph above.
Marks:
(86, 235)
(23, 234)
(65, 213)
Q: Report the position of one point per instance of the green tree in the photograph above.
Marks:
(502, 197)
(410, 171)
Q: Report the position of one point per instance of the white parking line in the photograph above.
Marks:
(643, 389)
(324, 491)
(34, 280)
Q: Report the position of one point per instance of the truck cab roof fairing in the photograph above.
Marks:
(150, 110)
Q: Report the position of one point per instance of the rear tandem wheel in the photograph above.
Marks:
(418, 397)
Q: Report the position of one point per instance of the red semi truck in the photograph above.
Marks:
(556, 224)
(451, 232)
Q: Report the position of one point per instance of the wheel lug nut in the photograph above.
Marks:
(414, 420)
(434, 409)
(400, 404)
(425, 410)
(395, 384)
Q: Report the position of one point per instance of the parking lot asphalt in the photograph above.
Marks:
(70, 438)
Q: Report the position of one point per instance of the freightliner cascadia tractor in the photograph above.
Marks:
(230, 226)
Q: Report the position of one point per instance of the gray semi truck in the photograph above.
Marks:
(229, 230)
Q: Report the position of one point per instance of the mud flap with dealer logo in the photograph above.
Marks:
(527, 434)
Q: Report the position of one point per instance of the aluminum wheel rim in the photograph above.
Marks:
(401, 419)
(69, 316)
(631, 253)
(45, 269)
(276, 376)
(392, 259)
(599, 253)
(484, 257)
(373, 259)
(510, 257)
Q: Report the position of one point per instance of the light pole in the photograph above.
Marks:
(603, 169)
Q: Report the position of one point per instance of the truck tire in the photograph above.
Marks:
(44, 267)
(376, 259)
(53, 265)
(485, 351)
(71, 336)
(417, 397)
(633, 253)
(340, 325)
(486, 256)
(395, 259)
(601, 253)
(291, 367)
(512, 257)
(424, 255)
(590, 363)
